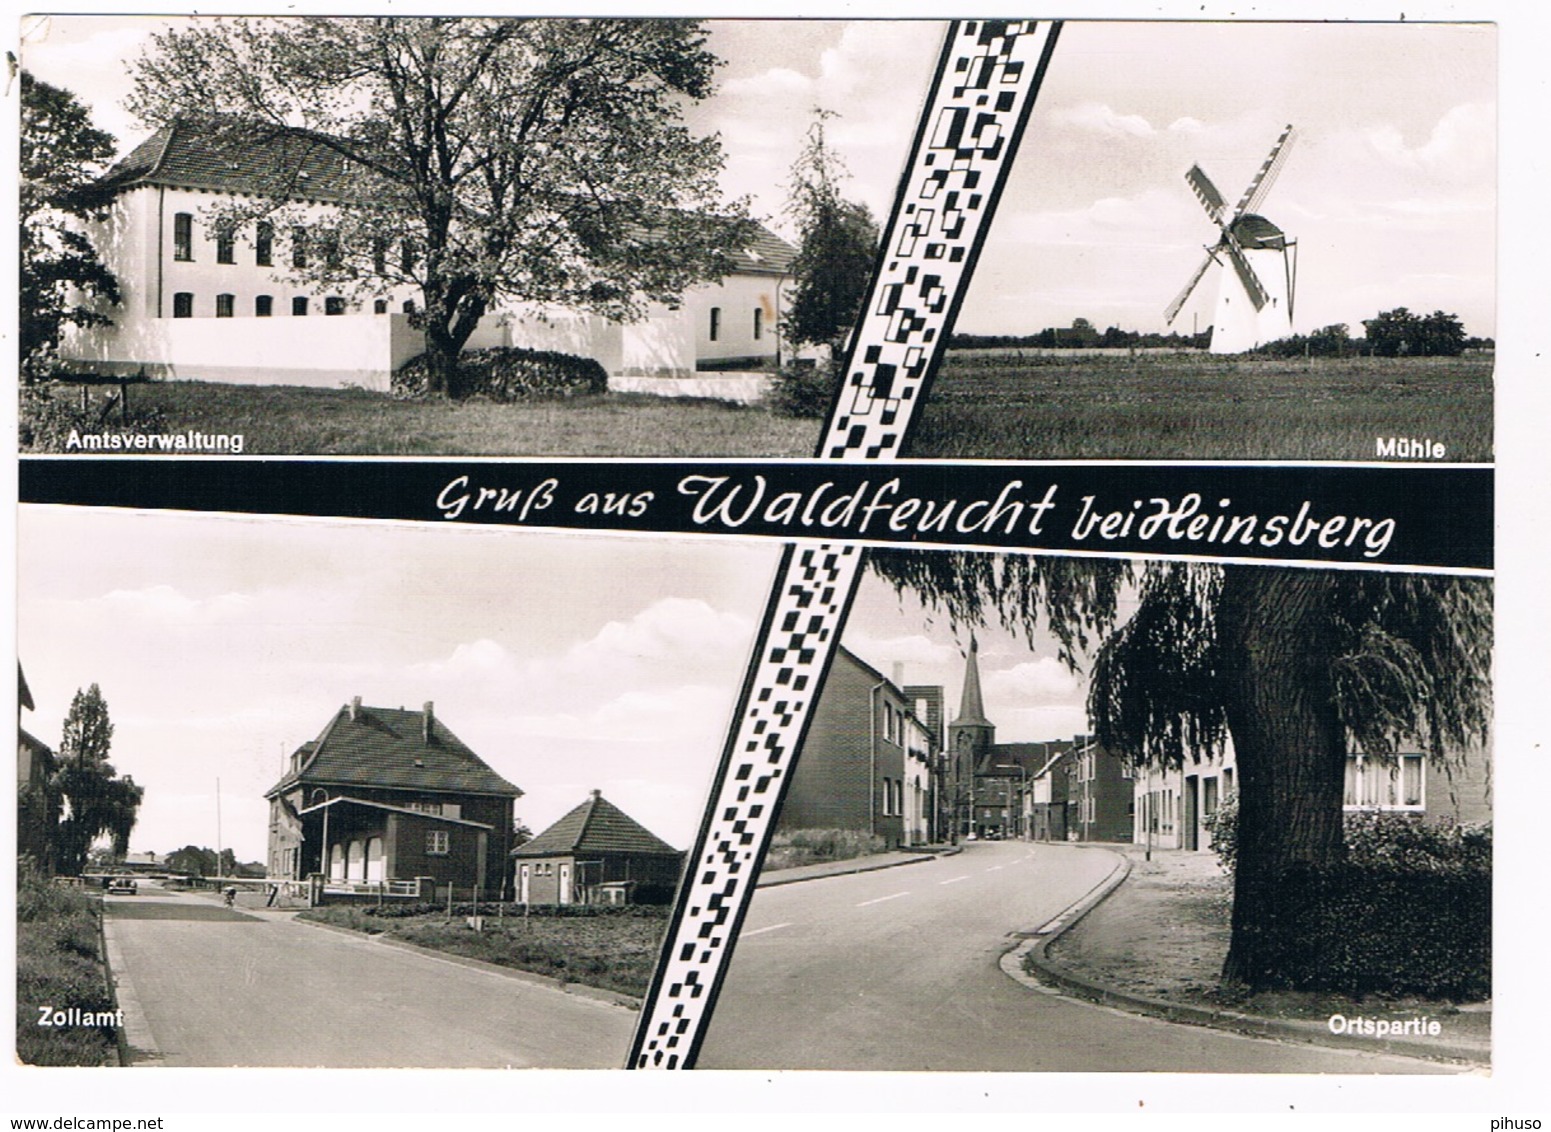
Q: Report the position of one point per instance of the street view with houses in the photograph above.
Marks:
(396, 908)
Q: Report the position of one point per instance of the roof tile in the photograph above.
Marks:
(386, 747)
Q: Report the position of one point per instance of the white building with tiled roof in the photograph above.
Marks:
(195, 300)
(385, 794)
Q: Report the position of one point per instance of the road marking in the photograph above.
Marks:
(771, 928)
(954, 880)
(881, 899)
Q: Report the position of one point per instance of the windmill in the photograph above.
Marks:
(1253, 306)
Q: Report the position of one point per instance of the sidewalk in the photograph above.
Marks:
(1152, 939)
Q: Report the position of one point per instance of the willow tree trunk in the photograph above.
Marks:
(1276, 637)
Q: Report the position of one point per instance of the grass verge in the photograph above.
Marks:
(59, 965)
(612, 948)
(792, 848)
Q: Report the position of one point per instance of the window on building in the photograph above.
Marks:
(759, 324)
(225, 246)
(299, 306)
(225, 305)
(334, 304)
(1375, 785)
(264, 244)
(409, 306)
(426, 807)
(436, 842)
(716, 323)
(298, 246)
(263, 306)
(183, 236)
(329, 249)
(183, 305)
(380, 306)
(380, 255)
(408, 257)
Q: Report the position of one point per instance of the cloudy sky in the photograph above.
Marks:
(221, 644)
(567, 662)
(1390, 189)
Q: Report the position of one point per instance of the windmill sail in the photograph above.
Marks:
(1246, 273)
(1179, 299)
(1207, 194)
(1261, 185)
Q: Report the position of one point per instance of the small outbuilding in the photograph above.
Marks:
(597, 854)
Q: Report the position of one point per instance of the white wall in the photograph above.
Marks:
(137, 243)
(361, 350)
(737, 297)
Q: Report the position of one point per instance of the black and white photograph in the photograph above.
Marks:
(556, 549)
(1190, 261)
(312, 767)
(1065, 798)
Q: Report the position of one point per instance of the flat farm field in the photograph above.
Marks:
(1012, 404)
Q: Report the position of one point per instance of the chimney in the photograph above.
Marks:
(427, 718)
(355, 707)
(899, 674)
(596, 794)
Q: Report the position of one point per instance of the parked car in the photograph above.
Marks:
(124, 886)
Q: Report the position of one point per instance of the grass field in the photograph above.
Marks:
(612, 948)
(1008, 404)
(287, 420)
(985, 404)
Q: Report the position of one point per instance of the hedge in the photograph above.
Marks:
(507, 374)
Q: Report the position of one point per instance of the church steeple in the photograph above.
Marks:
(971, 707)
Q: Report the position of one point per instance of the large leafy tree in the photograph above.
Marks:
(62, 281)
(486, 159)
(837, 246)
(1393, 333)
(1296, 667)
(96, 801)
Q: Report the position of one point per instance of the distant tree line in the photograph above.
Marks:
(1389, 334)
(1082, 335)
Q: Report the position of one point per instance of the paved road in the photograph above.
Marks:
(897, 969)
(212, 987)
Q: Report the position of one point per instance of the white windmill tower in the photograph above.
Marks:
(1255, 298)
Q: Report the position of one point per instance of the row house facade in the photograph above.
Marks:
(868, 760)
(1173, 806)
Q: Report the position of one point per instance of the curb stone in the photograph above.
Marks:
(1058, 978)
(136, 1044)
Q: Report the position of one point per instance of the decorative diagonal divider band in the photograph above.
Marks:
(978, 105)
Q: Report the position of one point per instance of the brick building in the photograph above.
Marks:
(867, 762)
(385, 794)
(597, 854)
